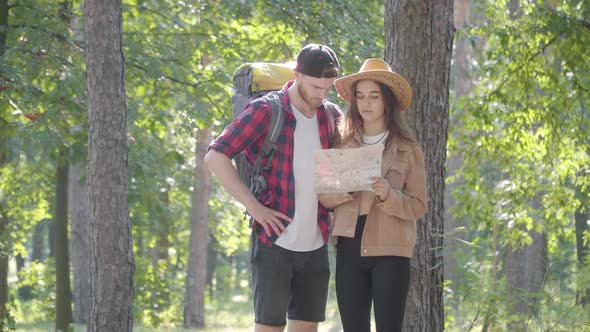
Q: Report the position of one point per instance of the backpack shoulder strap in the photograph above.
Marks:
(330, 110)
(277, 119)
(269, 145)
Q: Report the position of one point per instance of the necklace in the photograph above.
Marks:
(378, 141)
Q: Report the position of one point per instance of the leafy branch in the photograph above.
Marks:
(194, 85)
(524, 63)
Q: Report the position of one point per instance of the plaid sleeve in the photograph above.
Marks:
(249, 127)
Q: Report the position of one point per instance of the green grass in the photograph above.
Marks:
(234, 315)
(223, 325)
(228, 317)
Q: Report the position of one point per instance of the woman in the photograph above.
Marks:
(376, 231)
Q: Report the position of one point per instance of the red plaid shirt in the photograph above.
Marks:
(247, 132)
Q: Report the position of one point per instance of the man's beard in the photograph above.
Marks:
(312, 102)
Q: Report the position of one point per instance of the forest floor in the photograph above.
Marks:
(216, 323)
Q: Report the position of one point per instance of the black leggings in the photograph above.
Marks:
(383, 280)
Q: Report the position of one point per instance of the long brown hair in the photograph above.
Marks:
(352, 122)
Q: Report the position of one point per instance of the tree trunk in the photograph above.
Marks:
(583, 291)
(462, 86)
(3, 157)
(3, 22)
(3, 265)
(164, 229)
(4, 238)
(79, 209)
(51, 236)
(525, 270)
(211, 263)
(79, 243)
(25, 293)
(38, 240)
(63, 291)
(3, 243)
(491, 311)
(112, 263)
(419, 39)
(194, 298)
(582, 216)
(160, 251)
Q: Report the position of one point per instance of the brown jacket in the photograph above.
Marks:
(390, 229)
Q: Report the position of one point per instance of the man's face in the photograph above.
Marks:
(313, 90)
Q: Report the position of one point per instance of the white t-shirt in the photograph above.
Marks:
(372, 140)
(303, 233)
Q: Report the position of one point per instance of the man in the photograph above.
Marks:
(290, 268)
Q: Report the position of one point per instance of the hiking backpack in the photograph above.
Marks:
(258, 82)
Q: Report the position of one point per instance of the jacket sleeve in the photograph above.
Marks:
(410, 203)
(331, 201)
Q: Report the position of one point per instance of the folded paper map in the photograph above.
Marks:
(346, 170)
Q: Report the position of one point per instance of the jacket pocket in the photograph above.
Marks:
(394, 233)
(396, 175)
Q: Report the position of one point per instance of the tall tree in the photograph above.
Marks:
(3, 156)
(79, 242)
(461, 83)
(522, 287)
(3, 258)
(418, 45)
(78, 207)
(582, 248)
(194, 298)
(63, 291)
(112, 261)
(3, 272)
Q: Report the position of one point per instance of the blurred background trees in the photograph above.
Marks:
(515, 235)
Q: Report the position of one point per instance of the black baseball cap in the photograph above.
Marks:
(317, 61)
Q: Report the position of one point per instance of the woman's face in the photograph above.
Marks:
(369, 101)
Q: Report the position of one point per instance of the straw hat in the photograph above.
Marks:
(377, 70)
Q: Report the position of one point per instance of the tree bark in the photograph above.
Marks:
(194, 298)
(63, 291)
(112, 262)
(3, 158)
(164, 228)
(582, 215)
(79, 209)
(51, 236)
(583, 291)
(38, 241)
(3, 263)
(462, 86)
(525, 270)
(79, 243)
(419, 39)
(160, 251)
(3, 22)
(211, 263)
(25, 293)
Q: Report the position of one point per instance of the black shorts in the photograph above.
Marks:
(288, 284)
